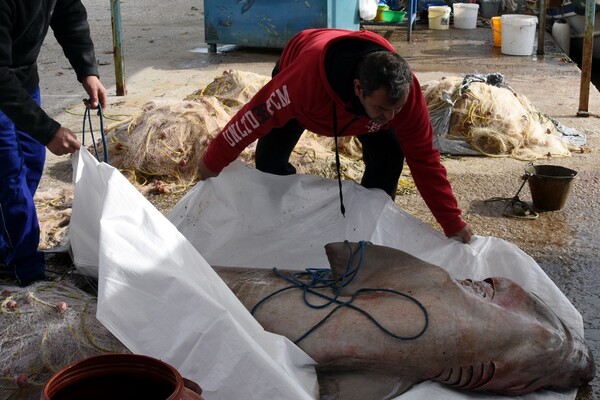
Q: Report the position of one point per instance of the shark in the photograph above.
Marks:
(380, 320)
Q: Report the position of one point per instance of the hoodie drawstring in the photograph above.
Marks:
(337, 160)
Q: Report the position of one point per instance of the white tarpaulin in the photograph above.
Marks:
(251, 219)
(160, 298)
(154, 284)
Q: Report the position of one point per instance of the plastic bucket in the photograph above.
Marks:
(379, 14)
(518, 34)
(496, 24)
(120, 377)
(393, 16)
(465, 15)
(550, 186)
(439, 17)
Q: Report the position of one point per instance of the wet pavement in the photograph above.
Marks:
(165, 55)
(564, 243)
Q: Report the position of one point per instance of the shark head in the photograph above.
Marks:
(531, 347)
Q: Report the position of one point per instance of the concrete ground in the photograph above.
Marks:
(165, 56)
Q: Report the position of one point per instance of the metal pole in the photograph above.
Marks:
(542, 27)
(115, 12)
(586, 58)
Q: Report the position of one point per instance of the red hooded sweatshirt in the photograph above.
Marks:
(302, 92)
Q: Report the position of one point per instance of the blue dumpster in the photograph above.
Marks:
(271, 23)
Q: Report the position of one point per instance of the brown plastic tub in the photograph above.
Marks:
(120, 376)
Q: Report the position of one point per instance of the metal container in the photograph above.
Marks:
(550, 186)
(270, 23)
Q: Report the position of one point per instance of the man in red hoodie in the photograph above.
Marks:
(336, 82)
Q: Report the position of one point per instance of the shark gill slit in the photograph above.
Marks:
(469, 377)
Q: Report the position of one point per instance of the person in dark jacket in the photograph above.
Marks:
(337, 82)
(25, 129)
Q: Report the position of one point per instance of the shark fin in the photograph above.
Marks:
(370, 260)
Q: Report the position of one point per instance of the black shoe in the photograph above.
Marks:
(23, 275)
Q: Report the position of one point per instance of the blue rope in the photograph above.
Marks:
(320, 278)
(87, 114)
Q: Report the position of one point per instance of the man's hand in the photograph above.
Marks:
(95, 90)
(204, 172)
(465, 234)
(63, 142)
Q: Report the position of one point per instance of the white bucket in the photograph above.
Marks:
(439, 17)
(518, 34)
(465, 15)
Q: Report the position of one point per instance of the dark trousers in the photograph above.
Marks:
(383, 159)
(21, 165)
(382, 155)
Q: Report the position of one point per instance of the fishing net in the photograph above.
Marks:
(167, 139)
(233, 88)
(44, 328)
(493, 120)
(53, 207)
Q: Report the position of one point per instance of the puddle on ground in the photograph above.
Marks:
(565, 245)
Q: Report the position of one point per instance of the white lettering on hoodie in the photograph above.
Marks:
(252, 119)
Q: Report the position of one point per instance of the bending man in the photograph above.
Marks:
(335, 82)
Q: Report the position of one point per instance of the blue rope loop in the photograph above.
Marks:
(313, 279)
(87, 114)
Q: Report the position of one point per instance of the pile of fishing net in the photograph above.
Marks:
(233, 88)
(484, 116)
(44, 328)
(164, 143)
(167, 139)
(53, 207)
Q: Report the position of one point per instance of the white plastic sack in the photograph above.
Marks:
(248, 218)
(160, 298)
(367, 9)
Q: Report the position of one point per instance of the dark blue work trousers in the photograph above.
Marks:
(21, 165)
(382, 155)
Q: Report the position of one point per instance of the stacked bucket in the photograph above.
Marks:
(513, 33)
(465, 16)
